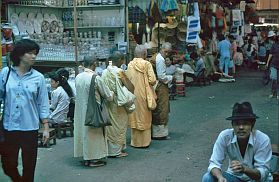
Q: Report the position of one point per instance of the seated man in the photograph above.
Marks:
(199, 66)
(249, 150)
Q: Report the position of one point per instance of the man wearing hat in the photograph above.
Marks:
(249, 150)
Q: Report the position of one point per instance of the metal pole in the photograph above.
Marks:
(76, 34)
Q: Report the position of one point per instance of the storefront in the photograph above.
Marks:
(103, 26)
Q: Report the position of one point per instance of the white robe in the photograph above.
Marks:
(89, 143)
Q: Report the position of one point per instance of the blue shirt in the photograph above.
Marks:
(26, 100)
(257, 155)
(224, 48)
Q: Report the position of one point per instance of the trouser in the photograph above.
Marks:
(27, 141)
(275, 81)
(230, 178)
(224, 64)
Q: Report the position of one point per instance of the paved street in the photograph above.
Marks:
(195, 122)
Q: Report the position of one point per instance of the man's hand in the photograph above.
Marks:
(121, 74)
(45, 136)
(173, 79)
(237, 167)
(46, 131)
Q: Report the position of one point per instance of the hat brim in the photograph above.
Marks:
(241, 117)
(171, 26)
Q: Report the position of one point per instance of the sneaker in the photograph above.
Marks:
(271, 96)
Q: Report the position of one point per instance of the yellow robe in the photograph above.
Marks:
(140, 120)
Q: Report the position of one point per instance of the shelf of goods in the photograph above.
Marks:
(100, 28)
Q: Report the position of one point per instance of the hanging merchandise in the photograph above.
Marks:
(213, 7)
(191, 1)
(193, 24)
(138, 19)
(242, 5)
(169, 5)
(182, 27)
(172, 22)
(181, 36)
(192, 37)
(199, 43)
(213, 22)
(155, 36)
(153, 13)
(247, 28)
(196, 10)
(236, 15)
(234, 30)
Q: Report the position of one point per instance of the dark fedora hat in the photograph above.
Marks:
(242, 111)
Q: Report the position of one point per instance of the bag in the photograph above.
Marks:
(150, 94)
(2, 108)
(125, 97)
(96, 114)
(151, 98)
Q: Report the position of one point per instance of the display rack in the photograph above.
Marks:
(116, 10)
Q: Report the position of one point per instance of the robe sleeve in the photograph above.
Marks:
(103, 89)
(151, 74)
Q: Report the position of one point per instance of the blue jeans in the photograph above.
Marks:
(224, 62)
(207, 177)
(274, 79)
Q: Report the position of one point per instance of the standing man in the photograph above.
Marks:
(141, 74)
(89, 143)
(224, 47)
(249, 150)
(160, 115)
(116, 133)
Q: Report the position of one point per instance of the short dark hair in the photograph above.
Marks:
(116, 57)
(194, 55)
(89, 61)
(21, 47)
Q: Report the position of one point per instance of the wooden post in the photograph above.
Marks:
(76, 34)
(0, 38)
(126, 32)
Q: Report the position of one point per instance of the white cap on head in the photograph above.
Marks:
(271, 34)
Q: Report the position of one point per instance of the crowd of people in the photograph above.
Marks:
(135, 96)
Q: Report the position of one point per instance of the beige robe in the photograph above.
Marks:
(89, 143)
(116, 134)
(140, 120)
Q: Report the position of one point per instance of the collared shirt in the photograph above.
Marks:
(224, 48)
(161, 70)
(59, 104)
(257, 155)
(275, 55)
(187, 68)
(26, 101)
(170, 70)
(199, 66)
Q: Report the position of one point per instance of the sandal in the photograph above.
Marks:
(122, 154)
(97, 164)
(85, 163)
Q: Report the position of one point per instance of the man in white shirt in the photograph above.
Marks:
(160, 115)
(249, 150)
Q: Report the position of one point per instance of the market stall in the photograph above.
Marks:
(68, 30)
(188, 22)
